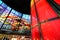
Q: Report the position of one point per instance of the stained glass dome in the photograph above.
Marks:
(13, 22)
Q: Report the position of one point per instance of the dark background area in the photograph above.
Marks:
(22, 6)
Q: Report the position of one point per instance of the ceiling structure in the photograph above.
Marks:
(10, 18)
(22, 6)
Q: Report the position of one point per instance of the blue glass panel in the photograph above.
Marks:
(13, 11)
(27, 16)
(24, 16)
(1, 10)
(0, 1)
(8, 8)
(18, 14)
(4, 5)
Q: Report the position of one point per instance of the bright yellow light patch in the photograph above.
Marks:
(32, 2)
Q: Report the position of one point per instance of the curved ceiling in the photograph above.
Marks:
(22, 6)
